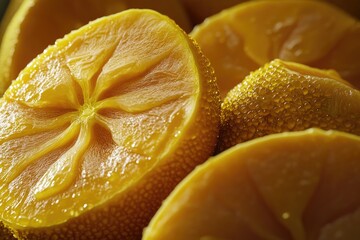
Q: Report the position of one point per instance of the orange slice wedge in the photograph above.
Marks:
(245, 37)
(98, 129)
(288, 186)
(284, 96)
(38, 23)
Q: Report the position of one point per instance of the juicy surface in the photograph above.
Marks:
(283, 96)
(38, 23)
(298, 186)
(245, 37)
(92, 115)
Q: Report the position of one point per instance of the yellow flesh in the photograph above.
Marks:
(298, 186)
(242, 38)
(90, 116)
(38, 23)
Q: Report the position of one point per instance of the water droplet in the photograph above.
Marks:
(177, 133)
(74, 213)
(37, 220)
(285, 215)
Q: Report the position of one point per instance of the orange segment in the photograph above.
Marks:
(38, 23)
(284, 96)
(283, 186)
(102, 126)
(242, 38)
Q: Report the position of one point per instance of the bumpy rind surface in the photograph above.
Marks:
(283, 96)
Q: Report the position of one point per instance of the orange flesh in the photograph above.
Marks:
(83, 122)
(298, 186)
(240, 39)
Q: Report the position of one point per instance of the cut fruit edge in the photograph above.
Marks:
(186, 126)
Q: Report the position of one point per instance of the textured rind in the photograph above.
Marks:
(5, 233)
(276, 98)
(124, 216)
(252, 165)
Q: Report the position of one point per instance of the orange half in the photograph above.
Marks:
(288, 186)
(284, 96)
(242, 38)
(98, 129)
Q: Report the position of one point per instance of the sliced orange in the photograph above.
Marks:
(97, 130)
(288, 186)
(38, 23)
(245, 37)
(283, 96)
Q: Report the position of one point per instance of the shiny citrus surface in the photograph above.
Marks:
(288, 186)
(242, 38)
(38, 23)
(98, 129)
